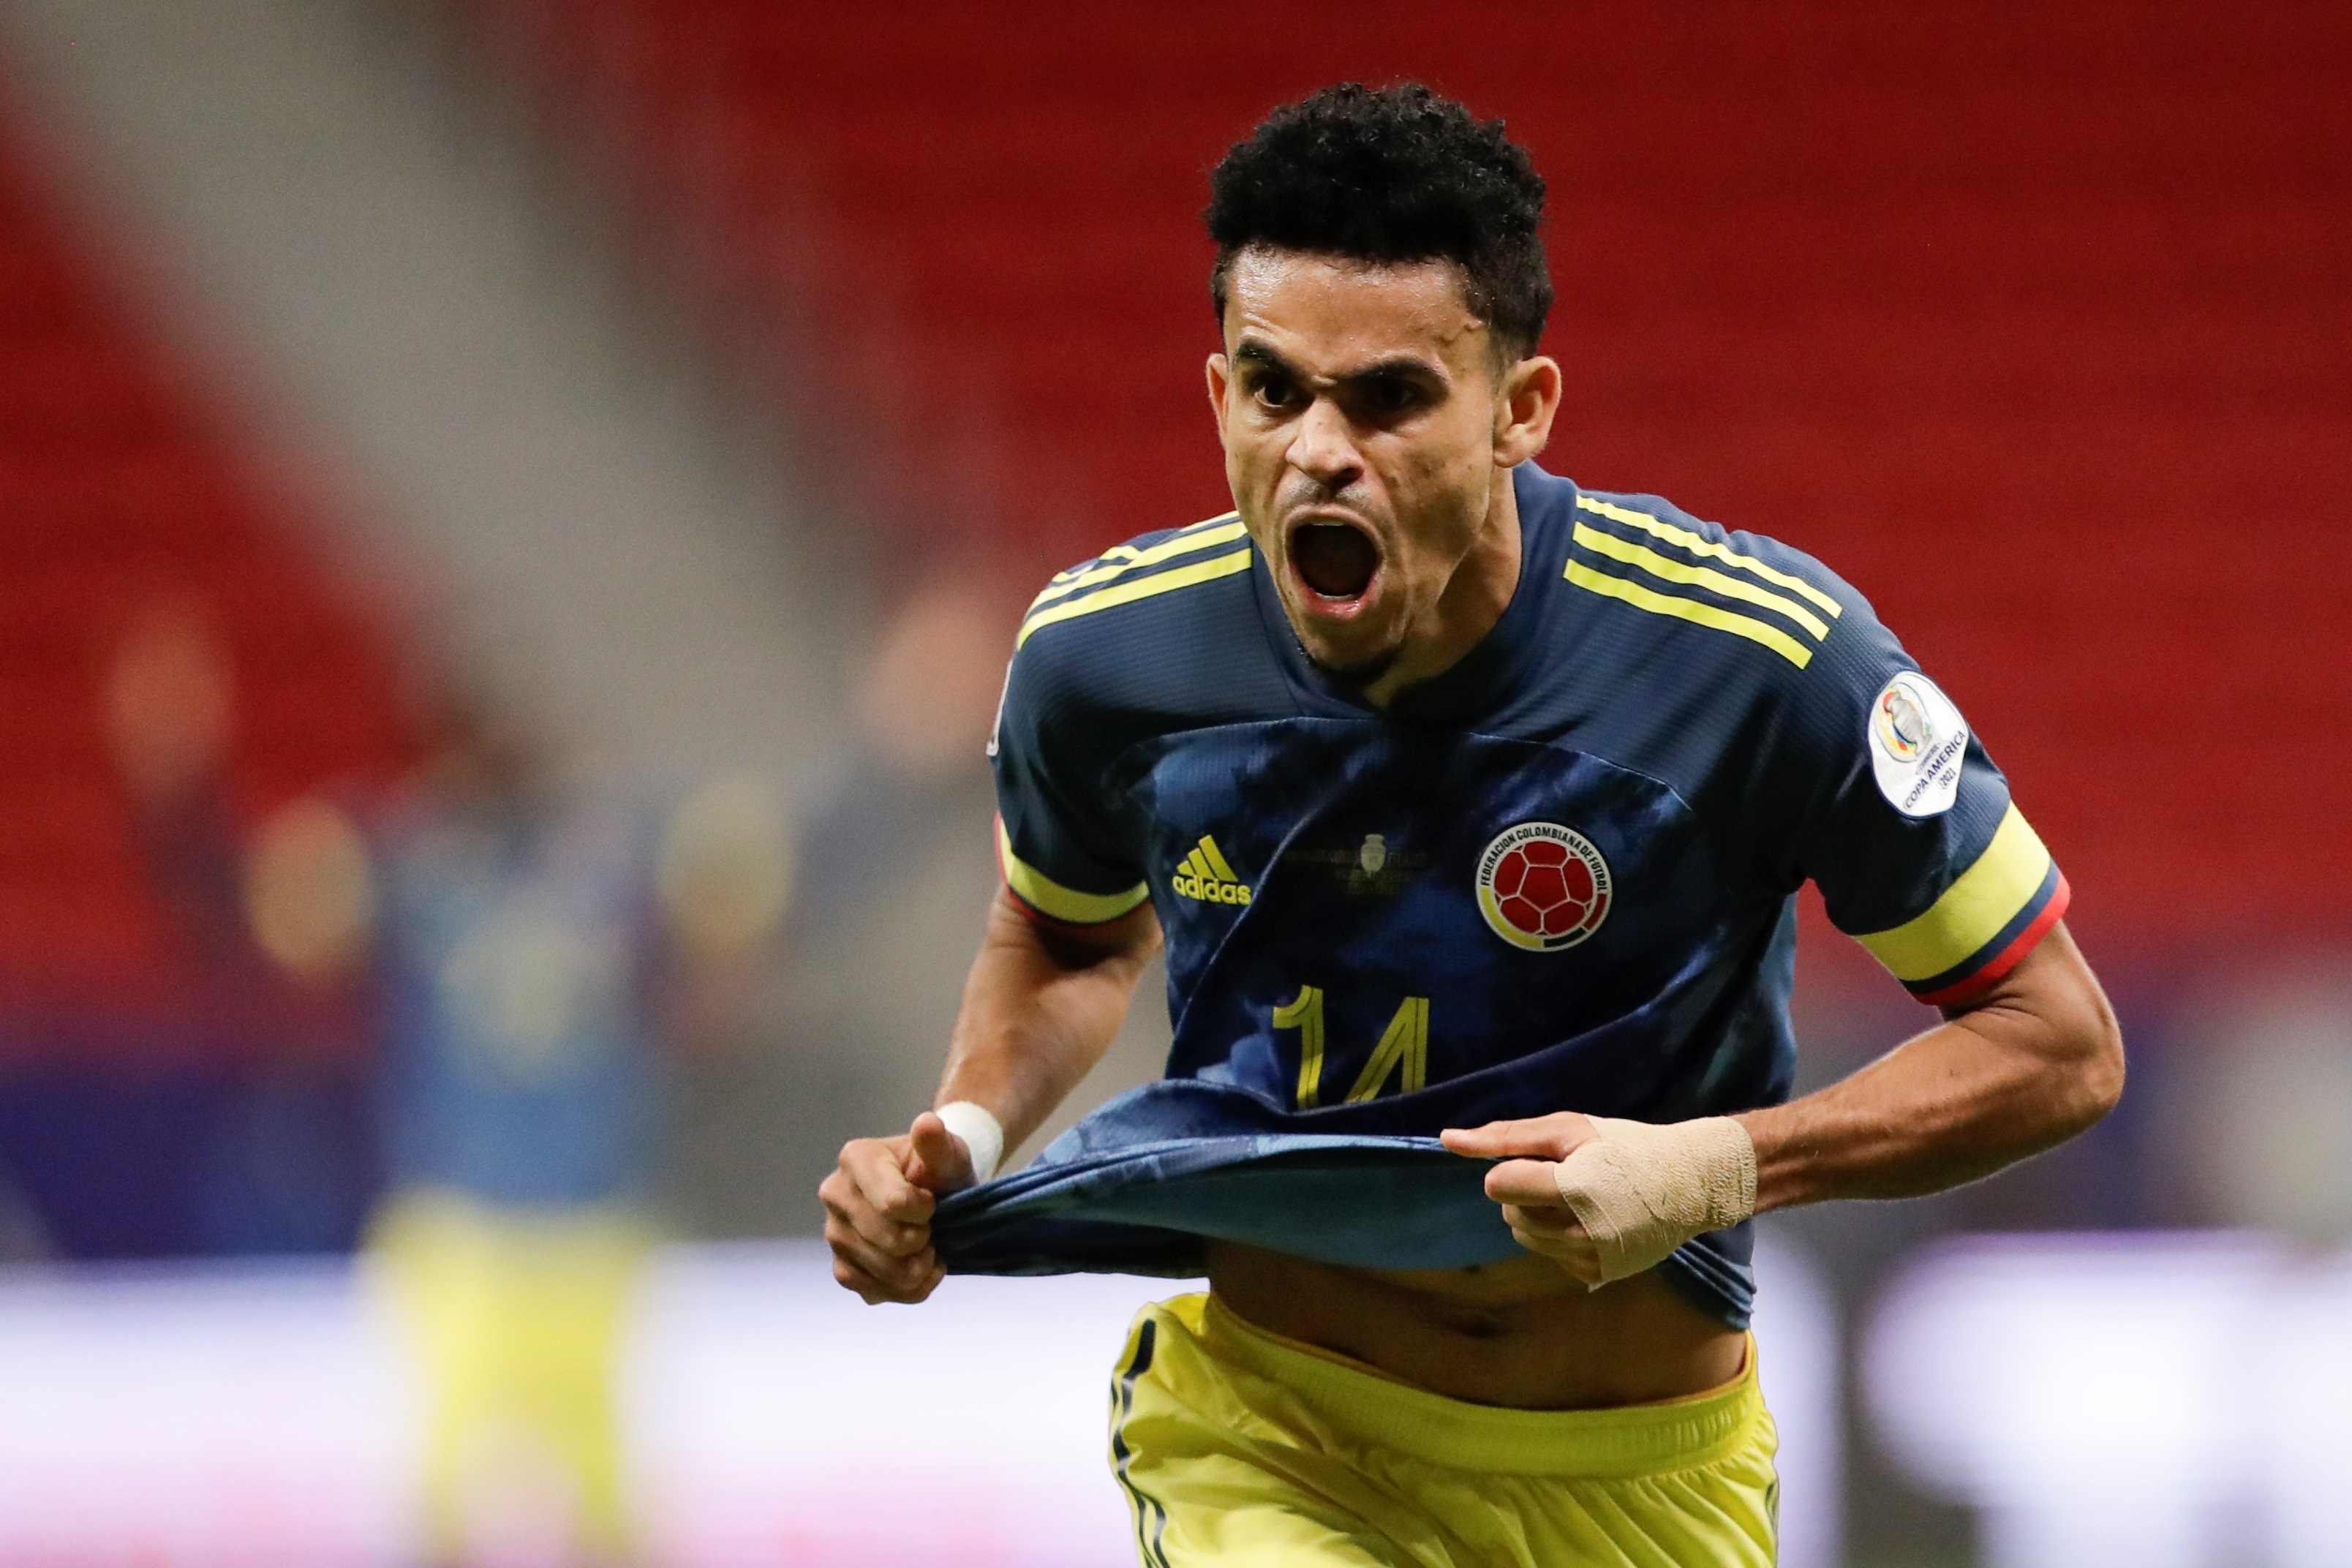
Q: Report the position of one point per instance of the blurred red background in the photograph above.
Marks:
(2031, 321)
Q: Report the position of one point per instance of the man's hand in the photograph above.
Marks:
(1526, 1185)
(1040, 1007)
(878, 1209)
(1608, 1198)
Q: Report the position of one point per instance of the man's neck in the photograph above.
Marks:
(1475, 599)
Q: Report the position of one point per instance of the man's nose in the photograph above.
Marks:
(1322, 447)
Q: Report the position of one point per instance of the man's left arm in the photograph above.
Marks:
(2021, 1065)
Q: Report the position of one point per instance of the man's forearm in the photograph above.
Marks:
(1039, 1010)
(2033, 1062)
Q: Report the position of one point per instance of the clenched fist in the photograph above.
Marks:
(878, 1209)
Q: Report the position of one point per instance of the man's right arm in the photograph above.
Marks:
(1041, 1005)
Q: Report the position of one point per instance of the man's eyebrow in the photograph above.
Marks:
(1252, 351)
(1398, 367)
(1401, 367)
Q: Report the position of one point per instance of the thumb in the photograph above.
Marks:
(937, 1160)
(1526, 1183)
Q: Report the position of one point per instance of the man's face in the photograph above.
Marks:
(1361, 415)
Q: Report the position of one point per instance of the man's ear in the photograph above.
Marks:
(1524, 409)
(1220, 370)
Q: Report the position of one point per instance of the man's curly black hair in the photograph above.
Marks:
(1392, 174)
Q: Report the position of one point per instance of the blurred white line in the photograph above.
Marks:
(2168, 1401)
(242, 1416)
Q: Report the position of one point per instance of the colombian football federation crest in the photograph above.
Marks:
(1542, 886)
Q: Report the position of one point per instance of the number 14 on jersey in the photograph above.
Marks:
(1404, 1044)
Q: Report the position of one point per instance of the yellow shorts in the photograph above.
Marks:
(1241, 1449)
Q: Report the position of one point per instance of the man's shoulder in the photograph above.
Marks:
(1708, 658)
(1167, 621)
(1153, 582)
(1720, 605)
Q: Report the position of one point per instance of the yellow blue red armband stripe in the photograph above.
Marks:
(1054, 902)
(1989, 918)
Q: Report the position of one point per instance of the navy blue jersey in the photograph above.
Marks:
(1559, 877)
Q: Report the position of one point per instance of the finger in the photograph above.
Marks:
(845, 1201)
(889, 1263)
(890, 1269)
(881, 1176)
(941, 1162)
(1542, 1137)
(849, 1277)
(1574, 1255)
(896, 1238)
(874, 1292)
(1584, 1267)
(1495, 1138)
(1531, 1184)
(840, 1194)
(1553, 1221)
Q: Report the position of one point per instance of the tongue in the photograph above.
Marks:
(1334, 559)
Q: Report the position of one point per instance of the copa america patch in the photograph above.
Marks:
(1917, 743)
(1542, 886)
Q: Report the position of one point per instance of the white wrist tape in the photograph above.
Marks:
(982, 1134)
(1641, 1190)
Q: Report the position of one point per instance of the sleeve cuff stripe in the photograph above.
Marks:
(1973, 912)
(1938, 993)
(1054, 902)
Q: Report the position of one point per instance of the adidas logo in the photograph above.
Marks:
(1205, 875)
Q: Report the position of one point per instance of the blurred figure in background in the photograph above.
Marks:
(887, 871)
(922, 706)
(238, 1125)
(525, 955)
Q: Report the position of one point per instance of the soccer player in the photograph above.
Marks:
(1467, 801)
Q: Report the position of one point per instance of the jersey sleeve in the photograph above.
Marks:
(1057, 838)
(1911, 834)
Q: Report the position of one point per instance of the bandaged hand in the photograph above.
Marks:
(1606, 1198)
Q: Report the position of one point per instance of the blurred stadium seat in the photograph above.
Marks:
(122, 490)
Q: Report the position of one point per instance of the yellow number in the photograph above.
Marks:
(1404, 1044)
(1305, 1014)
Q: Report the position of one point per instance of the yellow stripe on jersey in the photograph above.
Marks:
(1699, 544)
(1125, 558)
(1691, 610)
(1131, 553)
(1048, 897)
(1973, 910)
(1708, 577)
(1139, 588)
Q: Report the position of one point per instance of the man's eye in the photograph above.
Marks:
(1395, 397)
(1276, 394)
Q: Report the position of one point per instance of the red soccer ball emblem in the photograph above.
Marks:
(1542, 886)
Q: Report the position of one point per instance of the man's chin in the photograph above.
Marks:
(1357, 649)
(1351, 671)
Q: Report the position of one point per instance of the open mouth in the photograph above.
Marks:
(1334, 560)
